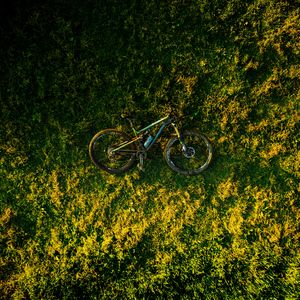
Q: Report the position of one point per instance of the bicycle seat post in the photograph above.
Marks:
(132, 127)
(126, 117)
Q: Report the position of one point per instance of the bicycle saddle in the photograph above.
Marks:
(129, 116)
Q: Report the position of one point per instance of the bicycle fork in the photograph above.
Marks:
(180, 137)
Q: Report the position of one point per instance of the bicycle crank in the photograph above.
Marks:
(141, 156)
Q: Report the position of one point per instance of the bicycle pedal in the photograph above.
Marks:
(141, 163)
(141, 168)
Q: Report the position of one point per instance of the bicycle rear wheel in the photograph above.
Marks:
(102, 155)
(195, 159)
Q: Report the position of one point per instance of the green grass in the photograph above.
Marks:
(71, 231)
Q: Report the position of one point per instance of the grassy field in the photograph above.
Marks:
(70, 231)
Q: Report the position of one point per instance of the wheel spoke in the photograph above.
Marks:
(196, 157)
(101, 151)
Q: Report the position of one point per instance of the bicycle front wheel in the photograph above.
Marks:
(195, 159)
(102, 154)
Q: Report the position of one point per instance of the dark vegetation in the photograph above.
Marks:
(69, 69)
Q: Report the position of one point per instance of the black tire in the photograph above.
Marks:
(99, 148)
(197, 157)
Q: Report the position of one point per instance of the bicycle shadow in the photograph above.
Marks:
(157, 172)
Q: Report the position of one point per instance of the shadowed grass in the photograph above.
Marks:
(71, 231)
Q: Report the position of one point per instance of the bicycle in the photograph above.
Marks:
(187, 152)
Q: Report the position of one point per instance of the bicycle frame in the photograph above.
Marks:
(166, 121)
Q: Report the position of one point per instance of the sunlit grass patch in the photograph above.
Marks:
(71, 231)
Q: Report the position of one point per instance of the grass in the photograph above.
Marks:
(68, 230)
